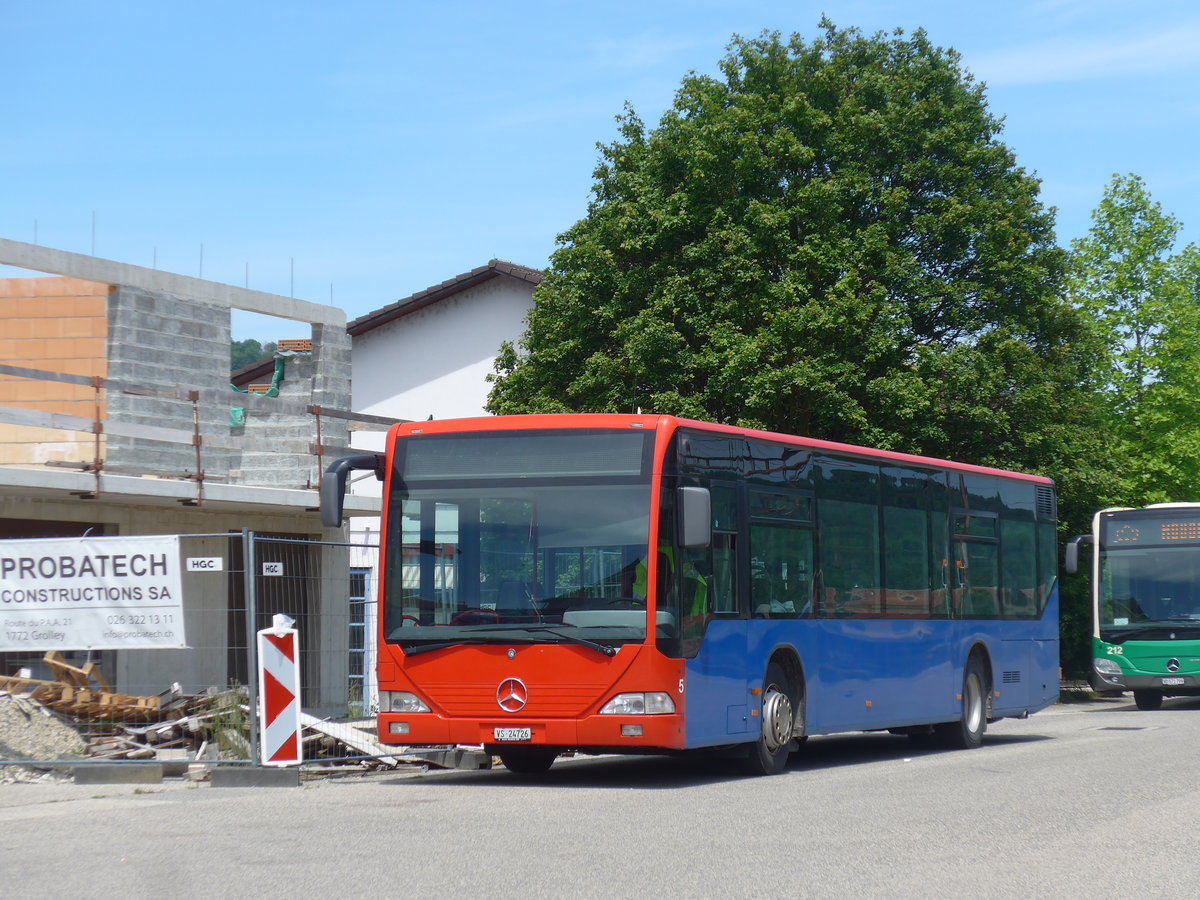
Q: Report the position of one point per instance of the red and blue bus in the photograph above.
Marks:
(648, 584)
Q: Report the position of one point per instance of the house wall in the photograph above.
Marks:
(59, 325)
(435, 361)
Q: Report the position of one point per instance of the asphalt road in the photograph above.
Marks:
(1088, 801)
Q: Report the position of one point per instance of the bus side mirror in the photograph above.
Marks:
(695, 517)
(1071, 555)
(333, 485)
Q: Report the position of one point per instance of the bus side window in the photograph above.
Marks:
(722, 583)
(716, 564)
(706, 585)
(906, 562)
(849, 558)
(1019, 568)
(780, 570)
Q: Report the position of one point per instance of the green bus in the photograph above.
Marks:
(1145, 591)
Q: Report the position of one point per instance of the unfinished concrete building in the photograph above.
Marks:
(117, 418)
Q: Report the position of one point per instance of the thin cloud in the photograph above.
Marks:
(644, 50)
(1066, 59)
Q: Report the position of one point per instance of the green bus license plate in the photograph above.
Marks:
(512, 734)
(1173, 681)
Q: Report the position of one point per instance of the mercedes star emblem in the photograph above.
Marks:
(512, 695)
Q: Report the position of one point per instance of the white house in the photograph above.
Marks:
(430, 354)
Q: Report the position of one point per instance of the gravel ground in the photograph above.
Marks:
(28, 730)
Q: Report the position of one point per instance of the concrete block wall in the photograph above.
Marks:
(331, 383)
(331, 356)
(271, 467)
(320, 378)
(59, 325)
(159, 340)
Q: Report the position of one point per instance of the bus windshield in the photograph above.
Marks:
(518, 538)
(1150, 585)
(1149, 573)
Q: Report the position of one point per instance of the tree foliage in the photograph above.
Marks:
(243, 353)
(1144, 305)
(829, 239)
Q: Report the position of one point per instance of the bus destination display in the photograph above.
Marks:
(1119, 531)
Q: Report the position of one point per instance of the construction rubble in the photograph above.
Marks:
(76, 715)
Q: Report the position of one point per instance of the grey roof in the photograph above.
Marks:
(495, 268)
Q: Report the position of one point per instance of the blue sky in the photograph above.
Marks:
(366, 150)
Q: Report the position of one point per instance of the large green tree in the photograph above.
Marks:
(827, 239)
(1143, 301)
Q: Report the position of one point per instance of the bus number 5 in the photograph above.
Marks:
(681, 685)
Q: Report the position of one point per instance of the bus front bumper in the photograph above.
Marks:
(608, 732)
(1104, 682)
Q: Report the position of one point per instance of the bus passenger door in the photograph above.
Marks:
(715, 639)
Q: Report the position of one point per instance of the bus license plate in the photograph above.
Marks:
(512, 734)
(1173, 681)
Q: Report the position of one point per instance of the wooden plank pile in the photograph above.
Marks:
(83, 692)
(213, 727)
(177, 727)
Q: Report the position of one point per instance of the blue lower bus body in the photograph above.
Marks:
(869, 674)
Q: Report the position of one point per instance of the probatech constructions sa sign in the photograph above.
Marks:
(105, 593)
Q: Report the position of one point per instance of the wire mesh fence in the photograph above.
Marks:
(197, 704)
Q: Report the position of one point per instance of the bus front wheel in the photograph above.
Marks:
(967, 732)
(769, 754)
(1148, 699)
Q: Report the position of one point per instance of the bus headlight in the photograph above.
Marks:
(1105, 666)
(653, 703)
(401, 702)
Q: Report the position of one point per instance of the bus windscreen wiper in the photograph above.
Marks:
(511, 634)
(606, 649)
(417, 649)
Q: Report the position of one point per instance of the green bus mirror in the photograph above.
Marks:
(1071, 555)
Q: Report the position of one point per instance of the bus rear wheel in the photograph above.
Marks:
(967, 732)
(527, 760)
(1148, 699)
(769, 754)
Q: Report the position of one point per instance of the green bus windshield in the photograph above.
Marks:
(1149, 570)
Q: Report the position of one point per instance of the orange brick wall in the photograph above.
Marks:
(60, 325)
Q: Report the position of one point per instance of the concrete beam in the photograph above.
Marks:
(118, 773)
(218, 497)
(244, 776)
(106, 271)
